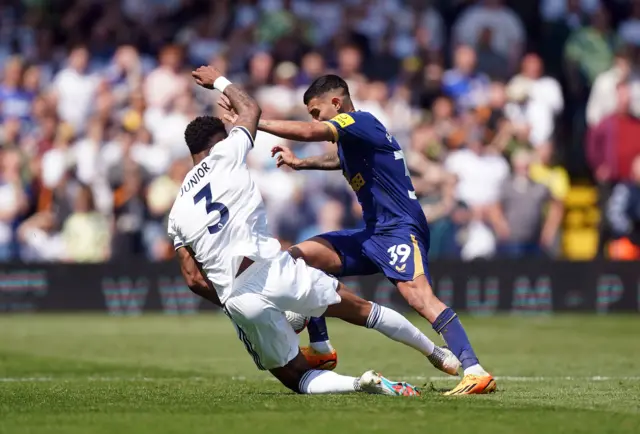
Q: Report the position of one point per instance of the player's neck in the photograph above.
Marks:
(197, 158)
(348, 108)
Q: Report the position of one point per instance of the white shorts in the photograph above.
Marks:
(261, 295)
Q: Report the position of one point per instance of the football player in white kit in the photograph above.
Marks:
(219, 228)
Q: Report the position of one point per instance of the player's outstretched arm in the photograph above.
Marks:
(286, 157)
(300, 131)
(193, 275)
(247, 109)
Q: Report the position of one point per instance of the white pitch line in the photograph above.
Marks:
(200, 379)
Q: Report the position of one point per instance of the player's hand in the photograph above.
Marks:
(285, 157)
(206, 75)
(230, 114)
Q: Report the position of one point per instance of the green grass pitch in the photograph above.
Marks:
(84, 374)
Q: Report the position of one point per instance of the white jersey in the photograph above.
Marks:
(220, 215)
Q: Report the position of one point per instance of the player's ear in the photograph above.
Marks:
(336, 102)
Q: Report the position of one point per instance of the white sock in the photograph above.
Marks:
(394, 326)
(475, 370)
(319, 382)
(323, 347)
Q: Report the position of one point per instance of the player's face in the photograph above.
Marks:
(323, 108)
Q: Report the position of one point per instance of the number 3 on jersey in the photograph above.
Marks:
(399, 155)
(401, 252)
(205, 193)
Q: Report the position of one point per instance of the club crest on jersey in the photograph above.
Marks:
(344, 120)
(357, 182)
(197, 176)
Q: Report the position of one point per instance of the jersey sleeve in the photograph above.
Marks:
(175, 235)
(235, 146)
(354, 125)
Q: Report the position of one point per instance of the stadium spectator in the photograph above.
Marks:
(15, 102)
(167, 81)
(86, 231)
(589, 52)
(629, 30)
(540, 99)
(480, 172)
(74, 89)
(569, 10)
(522, 230)
(463, 83)
(508, 33)
(613, 143)
(40, 242)
(13, 200)
(546, 171)
(623, 215)
(602, 100)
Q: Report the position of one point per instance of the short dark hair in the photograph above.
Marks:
(201, 131)
(324, 84)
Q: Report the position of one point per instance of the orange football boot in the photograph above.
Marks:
(320, 361)
(474, 385)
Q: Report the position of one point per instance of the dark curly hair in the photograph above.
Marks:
(324, 84)
(201, 131)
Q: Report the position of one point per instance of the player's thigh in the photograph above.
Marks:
(293, 285)
(338, 253)
(263, 329)
(352, 309)
(401, 255)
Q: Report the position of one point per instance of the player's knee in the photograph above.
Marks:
(250, 307)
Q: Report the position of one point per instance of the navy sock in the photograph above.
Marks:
(317, 328)
(449, 326)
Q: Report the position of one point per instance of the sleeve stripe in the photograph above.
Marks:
(178, 245)
(333, 129)
(246, 131)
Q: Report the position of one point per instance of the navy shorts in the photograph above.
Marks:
(401, 254)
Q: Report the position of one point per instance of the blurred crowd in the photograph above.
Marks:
(497, 104)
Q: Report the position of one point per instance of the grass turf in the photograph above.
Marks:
(161, 374)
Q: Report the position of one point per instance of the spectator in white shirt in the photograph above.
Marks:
(506, 27)
(602, 100)
(166, 82)
(543, 99)
(75, 89)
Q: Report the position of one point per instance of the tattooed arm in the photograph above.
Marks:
(286, 157)
(246, 108)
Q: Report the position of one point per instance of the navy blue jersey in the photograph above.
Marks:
(374, 166)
